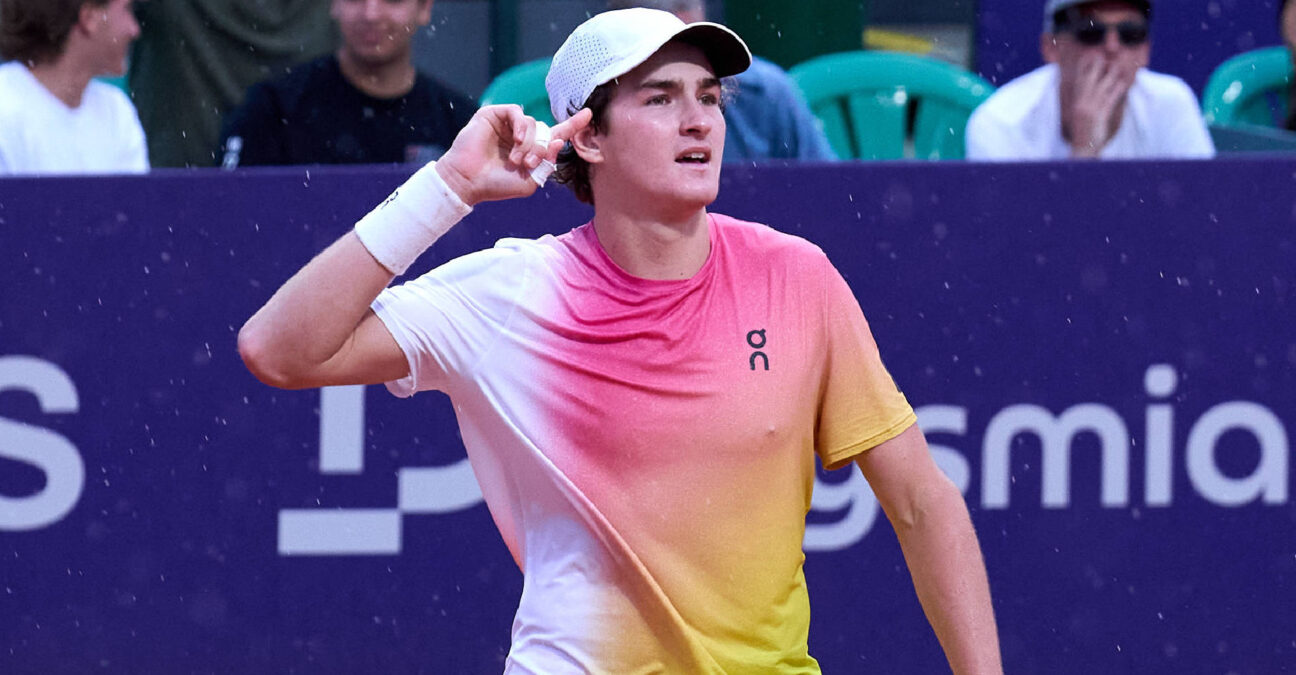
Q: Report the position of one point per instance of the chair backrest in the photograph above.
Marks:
(1250, 88)
(522, 84)
(118, 81)
(864, 101)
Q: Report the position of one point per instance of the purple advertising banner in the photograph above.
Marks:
(1103, 357)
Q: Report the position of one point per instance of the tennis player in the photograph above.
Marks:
(642, 398)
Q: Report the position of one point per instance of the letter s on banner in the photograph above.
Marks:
(49, 452)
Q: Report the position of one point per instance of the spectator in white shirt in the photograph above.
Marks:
(1094, 98)
(54, 116)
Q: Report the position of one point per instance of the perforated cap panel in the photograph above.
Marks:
(611, 44)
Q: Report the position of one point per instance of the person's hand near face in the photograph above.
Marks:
(1098, 55)
(1099, 95)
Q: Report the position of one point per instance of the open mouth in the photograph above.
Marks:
(694, 157)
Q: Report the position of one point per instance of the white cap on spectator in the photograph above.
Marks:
(1055, 6)
(611, 44)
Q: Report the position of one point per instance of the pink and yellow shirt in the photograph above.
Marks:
(647, 448)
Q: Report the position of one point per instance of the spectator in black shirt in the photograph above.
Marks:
(365, 104)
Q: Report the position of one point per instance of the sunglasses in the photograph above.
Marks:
(1094, 33)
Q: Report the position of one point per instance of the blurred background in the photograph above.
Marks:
(471, 41)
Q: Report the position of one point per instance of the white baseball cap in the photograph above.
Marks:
(611, 44)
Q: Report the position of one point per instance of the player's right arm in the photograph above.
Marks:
(317, 330)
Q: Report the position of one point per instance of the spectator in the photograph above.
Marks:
(767, 117)
(1094, 97)
(54, 117)
(1287, 25)
(196, 58)
(365, 104)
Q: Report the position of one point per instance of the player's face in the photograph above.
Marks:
(378, 32)
(1071, 46)
(112, 29)
(665, 132)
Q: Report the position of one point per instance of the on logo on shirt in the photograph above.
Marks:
(756, 340)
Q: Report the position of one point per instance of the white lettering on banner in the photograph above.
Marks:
(342, 429)
(420, 490)
(1159, 381)
(1056, 435)
(50, 453)
(432, 490)
(1268, 481)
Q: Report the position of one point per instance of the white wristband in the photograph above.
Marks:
(401, 228)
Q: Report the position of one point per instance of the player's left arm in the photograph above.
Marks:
(940, 547)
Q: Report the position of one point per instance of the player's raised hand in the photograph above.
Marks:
(493, 156)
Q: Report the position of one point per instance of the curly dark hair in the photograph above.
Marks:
(36, 31)
(573, 171)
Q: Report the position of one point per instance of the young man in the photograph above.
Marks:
(767, 116)
(643, 397)
(1094, 98)
(54, 117)
(364, 104)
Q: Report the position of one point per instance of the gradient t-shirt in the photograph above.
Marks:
(645, 447)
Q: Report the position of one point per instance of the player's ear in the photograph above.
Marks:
(588, 144)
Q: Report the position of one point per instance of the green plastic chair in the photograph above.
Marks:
(119, 82)
(1249, 88)
(863, 100)
(522, 84)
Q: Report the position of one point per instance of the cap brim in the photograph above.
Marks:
(726, 51)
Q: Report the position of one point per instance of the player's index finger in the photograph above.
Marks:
(572, 125)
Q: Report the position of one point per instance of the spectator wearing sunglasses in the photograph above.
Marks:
(1094, 98)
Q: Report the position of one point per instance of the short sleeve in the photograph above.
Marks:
(137, 159)
(982, 138)
(860, 406)
(447, 320)
(1188, 133)
(811, 142)
(5, 163)
(802, 136)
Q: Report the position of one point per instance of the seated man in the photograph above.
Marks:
(767, 116)
(54, 118)
(1094, 97)
(364, 104)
